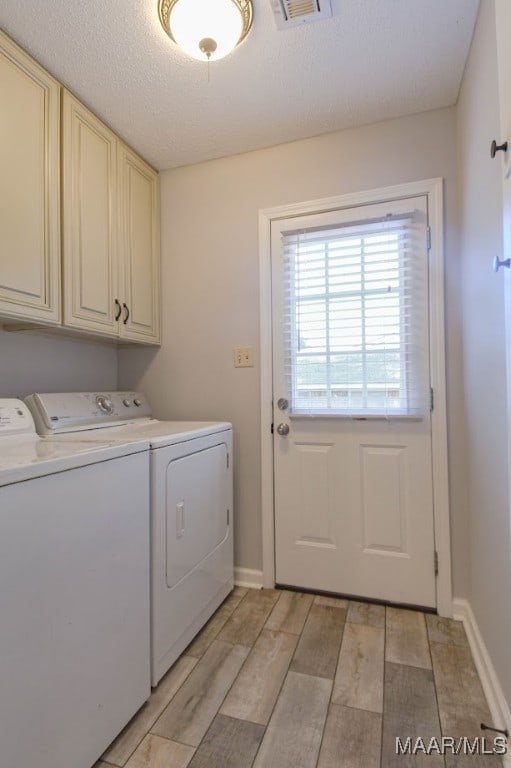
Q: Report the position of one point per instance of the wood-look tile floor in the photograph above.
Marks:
(281, 679)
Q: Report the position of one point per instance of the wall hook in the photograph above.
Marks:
(494, 148)
(498, 263)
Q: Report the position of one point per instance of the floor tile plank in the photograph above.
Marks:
(253, 695)
(154, 752)
(473, 761)
(318, 648)
(366, 613)
(294, 733)
(461, 701)
(290, 612)
(359, 677)
(441, 630)
(352, 739)
(248, 619)
(409, 709)
(210, 631)
(190, 713)
(229, 743)
(129, 739)
(332, 602)
(406, 640)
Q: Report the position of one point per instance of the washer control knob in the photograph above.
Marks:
(137, 402)
(104, 404)
(126, 402)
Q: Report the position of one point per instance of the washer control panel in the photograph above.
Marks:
(73, 411)
(15, 418)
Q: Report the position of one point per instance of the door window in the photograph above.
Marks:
(355, 320)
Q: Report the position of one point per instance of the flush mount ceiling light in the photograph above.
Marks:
(206, 29)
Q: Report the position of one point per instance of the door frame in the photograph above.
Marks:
(433, 189)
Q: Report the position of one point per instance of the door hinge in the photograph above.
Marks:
(435, 559)
(431, 398)
(228, 517)
(228, 461)
(271, 428)
(428, 238)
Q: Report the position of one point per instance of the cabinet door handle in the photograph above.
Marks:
(119, 309)
(127, 313)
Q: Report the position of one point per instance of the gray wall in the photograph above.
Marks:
(487, 558)
(37, 362)
(210, 256)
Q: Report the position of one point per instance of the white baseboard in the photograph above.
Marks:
(246, 577)
(499, 707)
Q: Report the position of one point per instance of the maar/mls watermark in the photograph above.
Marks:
(449, 745)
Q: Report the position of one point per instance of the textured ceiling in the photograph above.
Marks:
(375, 59)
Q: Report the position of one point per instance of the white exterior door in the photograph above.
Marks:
(352, 444)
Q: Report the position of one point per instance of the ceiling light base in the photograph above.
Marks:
(208, 46)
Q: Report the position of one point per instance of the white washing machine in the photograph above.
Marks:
(74, 597)
(191, 505)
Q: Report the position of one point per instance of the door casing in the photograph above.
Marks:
(433, 189)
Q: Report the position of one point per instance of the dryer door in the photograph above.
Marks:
(197, 500)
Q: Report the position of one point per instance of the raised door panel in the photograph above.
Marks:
(89, 164)
(29, 188)
(140, 248)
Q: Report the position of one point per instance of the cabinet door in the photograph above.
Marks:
(140, 247)
(89, 168)
(29, 188)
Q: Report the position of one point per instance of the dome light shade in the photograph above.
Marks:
(206, 29)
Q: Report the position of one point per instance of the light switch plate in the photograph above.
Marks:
(243, 357)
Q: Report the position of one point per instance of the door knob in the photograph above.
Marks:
(283, 429)
(498, 263)
(282, 403)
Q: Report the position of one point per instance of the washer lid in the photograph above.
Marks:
(25, 457)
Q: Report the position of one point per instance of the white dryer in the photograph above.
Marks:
(191, 505)
(74, 597)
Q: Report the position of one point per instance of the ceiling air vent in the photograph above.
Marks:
(291, 13)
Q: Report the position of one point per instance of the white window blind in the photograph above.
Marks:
(355, 318)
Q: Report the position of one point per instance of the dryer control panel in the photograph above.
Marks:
(59, 412)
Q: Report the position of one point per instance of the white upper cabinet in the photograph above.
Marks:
(29, 188)
(89, 220)
(139, 244)
(111, 252)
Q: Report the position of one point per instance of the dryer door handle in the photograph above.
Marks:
(180, 519)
